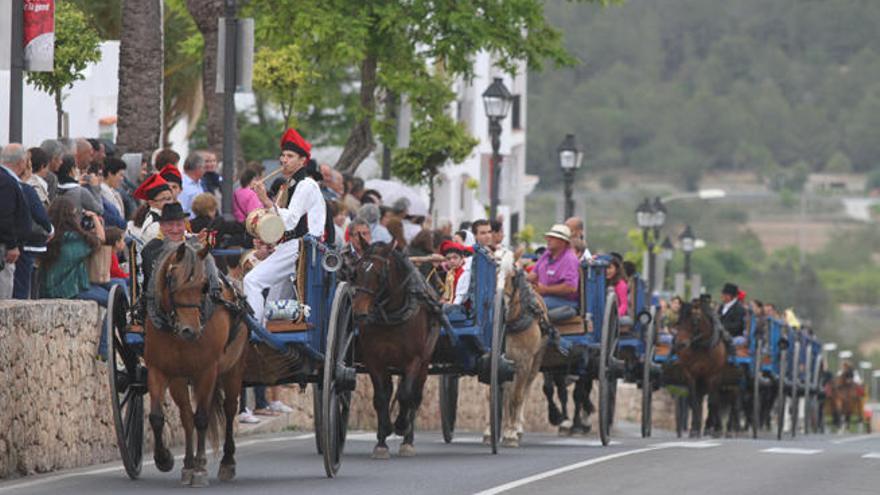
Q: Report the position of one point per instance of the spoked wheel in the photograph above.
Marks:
(316, 415)
(681, 415)
(756, 386)
(128, 384)
(647, 368)
(793, 407)
(808, 389)
(338, 381)
(607, 371)
(496, 380)
(448, 405)
(780, 394)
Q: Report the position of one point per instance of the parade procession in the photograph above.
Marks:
(482, 247)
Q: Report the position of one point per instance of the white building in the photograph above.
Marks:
(462, 191)
(87, 103)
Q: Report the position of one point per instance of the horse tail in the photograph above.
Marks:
(216, 418)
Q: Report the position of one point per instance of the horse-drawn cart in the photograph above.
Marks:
(300, 351)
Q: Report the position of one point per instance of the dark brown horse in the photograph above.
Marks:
(396, 334)
(702, 358)
(845, 397)
(194, 337)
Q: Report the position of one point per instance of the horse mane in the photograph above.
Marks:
(191, 273)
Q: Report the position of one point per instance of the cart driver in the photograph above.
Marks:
(301, 208)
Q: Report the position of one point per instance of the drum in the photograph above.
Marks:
(265, 225)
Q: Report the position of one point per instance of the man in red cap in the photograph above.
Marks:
(156, 192)
(301, 207)
(172, 176)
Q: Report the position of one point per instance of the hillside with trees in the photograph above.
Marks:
(685, 87)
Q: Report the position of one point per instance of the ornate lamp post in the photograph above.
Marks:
(688, 243)
(497, 101)
(569, 161)
(645, 219)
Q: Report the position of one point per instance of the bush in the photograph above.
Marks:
(609, 182)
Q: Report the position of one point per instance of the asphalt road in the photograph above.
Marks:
(287, 463)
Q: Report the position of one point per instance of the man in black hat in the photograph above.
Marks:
(172, 228)
(731, 315)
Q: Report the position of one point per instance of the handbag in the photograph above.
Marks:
(99, 265)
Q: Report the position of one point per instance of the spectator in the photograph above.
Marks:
(193, 171)
(83, 156)
(615, 277)
(64, 272)
(225, 233)
(211, 180)
(354, 189)
(482, 231)
(15, 216)
(112, 215)
(39, 170)
(114, 173)
(41, 230)
(172, 176)
(55, 151)
(99, 153)
(165, 157)
(455, 268)
(328, 187)
(80, 193)
(340, 220)
(115, 237)
(370, 214)
(371, 196)
(497, 233)
(395, 228)
(556, 275)
(245, 199)
(576, 225)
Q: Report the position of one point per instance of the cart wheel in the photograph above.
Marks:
(647, 387)
(496, 392)
(448, 405)
(316, 415)
(793, 407)
(681, 415)
(607, 374)
(808, 388)
(338, 381)
(127, 385)
(780, 394)
(758, 359)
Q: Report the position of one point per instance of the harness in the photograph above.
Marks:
(416, 292)
(212, 297)
(699, 340)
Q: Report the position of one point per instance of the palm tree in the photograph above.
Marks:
(141, 64)
(206, 14)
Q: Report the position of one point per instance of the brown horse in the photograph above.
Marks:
(702, 358)
(397, 333)
(525, 346)
(194, 337)
(846, 401)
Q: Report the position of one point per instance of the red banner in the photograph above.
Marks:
(39, 35)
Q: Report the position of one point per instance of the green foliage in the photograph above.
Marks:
(432, 144)
(873, 181)
(527, 234)
(279, 73)
(76, 46)
(609, 182)
(182, 84)
(682, 87)
(104, 15)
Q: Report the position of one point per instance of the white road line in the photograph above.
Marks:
(90, 472)
(564, 469)
(871, 455)
(858, 438)
(689, 445)
(786, 450)
(577, 442)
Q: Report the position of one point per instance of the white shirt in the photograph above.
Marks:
(464, 282)
(113, 197)
(190, 189)
(307, 200)
(727, 306)
(39, 184)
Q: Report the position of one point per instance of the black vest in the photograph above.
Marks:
(302, 227)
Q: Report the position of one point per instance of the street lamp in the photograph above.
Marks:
(497, 101)
(688, 243)
(650, 217)
(569, 160)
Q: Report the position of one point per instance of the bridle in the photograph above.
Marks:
(382, 296)
(168, 320)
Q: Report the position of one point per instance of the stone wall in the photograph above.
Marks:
(55, 408)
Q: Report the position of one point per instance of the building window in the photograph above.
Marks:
(516, 113)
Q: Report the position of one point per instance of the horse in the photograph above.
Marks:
(194, 336)
(526, 339)
(845, 397)
(702, 357)
(396, 320)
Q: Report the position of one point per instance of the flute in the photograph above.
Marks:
(272, 174)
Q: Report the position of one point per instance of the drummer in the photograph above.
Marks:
(301, 208)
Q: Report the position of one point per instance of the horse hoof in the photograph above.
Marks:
(512, 442)
(554, 415)
(186, 476)
(164, 460)
(381, 453)
(487, 439)
(226, 472)
(200, 478)
(406, 450)
(580, 429)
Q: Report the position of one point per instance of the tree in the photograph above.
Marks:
(76, 46)
(139, 107)
(182, 85)
(279, 74)
(839, 163)
(395, 46)
(206, 14)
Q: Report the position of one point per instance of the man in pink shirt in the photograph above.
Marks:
(556, 275)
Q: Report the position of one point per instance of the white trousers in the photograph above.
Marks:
(270, 273)
(7, 280)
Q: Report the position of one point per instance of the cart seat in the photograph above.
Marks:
(571, 326)
(664, 344)
(741, 344)
(459, 317)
